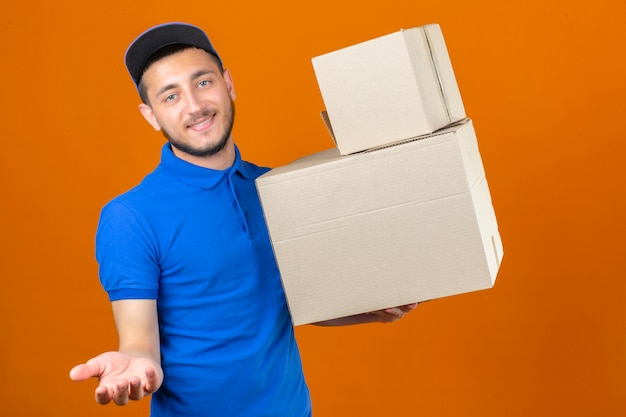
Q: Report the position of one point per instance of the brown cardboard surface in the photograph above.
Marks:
(390, 88)
(389, 227)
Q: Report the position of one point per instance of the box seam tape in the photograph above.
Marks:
(435, 65)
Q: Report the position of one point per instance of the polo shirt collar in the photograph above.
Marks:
(198, 176)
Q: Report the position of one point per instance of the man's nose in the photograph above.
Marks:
(193, 102)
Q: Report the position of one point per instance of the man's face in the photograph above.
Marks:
(191, 102)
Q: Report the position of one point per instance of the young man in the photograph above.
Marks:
(186, 259)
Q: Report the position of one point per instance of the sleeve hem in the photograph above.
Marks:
(133, 293)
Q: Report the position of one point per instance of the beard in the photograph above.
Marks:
(209, 150)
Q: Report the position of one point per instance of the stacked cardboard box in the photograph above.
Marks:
(400, 210)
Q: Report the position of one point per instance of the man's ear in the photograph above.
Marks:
(148, 114)
(229, 84)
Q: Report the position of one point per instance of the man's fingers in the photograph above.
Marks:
(77, 373)
(408, 308)
(151, 380)
(139, 388)
(401, 310)
(117, 394)
(394, 311)
(103, 396)
(83, 372)
(136, 389)
(121, 394)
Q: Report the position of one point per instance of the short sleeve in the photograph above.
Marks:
(127, 254)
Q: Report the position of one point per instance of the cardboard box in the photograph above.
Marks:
(384, 228)
(388, 89)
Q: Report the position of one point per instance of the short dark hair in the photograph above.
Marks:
(163, 53)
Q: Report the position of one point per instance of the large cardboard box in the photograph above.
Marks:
(383, 228)
(390, 88)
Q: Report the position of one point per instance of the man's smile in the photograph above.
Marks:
(202, 123)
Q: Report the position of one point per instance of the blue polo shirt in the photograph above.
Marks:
(195, 240)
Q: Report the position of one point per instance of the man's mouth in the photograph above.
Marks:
(202, 123)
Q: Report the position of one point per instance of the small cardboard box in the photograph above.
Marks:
(384, 228)
(388, 89)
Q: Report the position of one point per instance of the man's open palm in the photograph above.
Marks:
(122, 377)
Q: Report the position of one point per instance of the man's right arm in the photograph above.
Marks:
(134, 371)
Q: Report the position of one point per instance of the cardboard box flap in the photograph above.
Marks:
(328, 125)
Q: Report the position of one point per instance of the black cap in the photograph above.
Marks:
(160, 36)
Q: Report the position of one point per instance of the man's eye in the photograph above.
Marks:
(170, 97)
(204, 83)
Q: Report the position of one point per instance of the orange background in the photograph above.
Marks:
(544, 84)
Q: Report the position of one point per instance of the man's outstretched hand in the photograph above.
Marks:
(122, 377)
